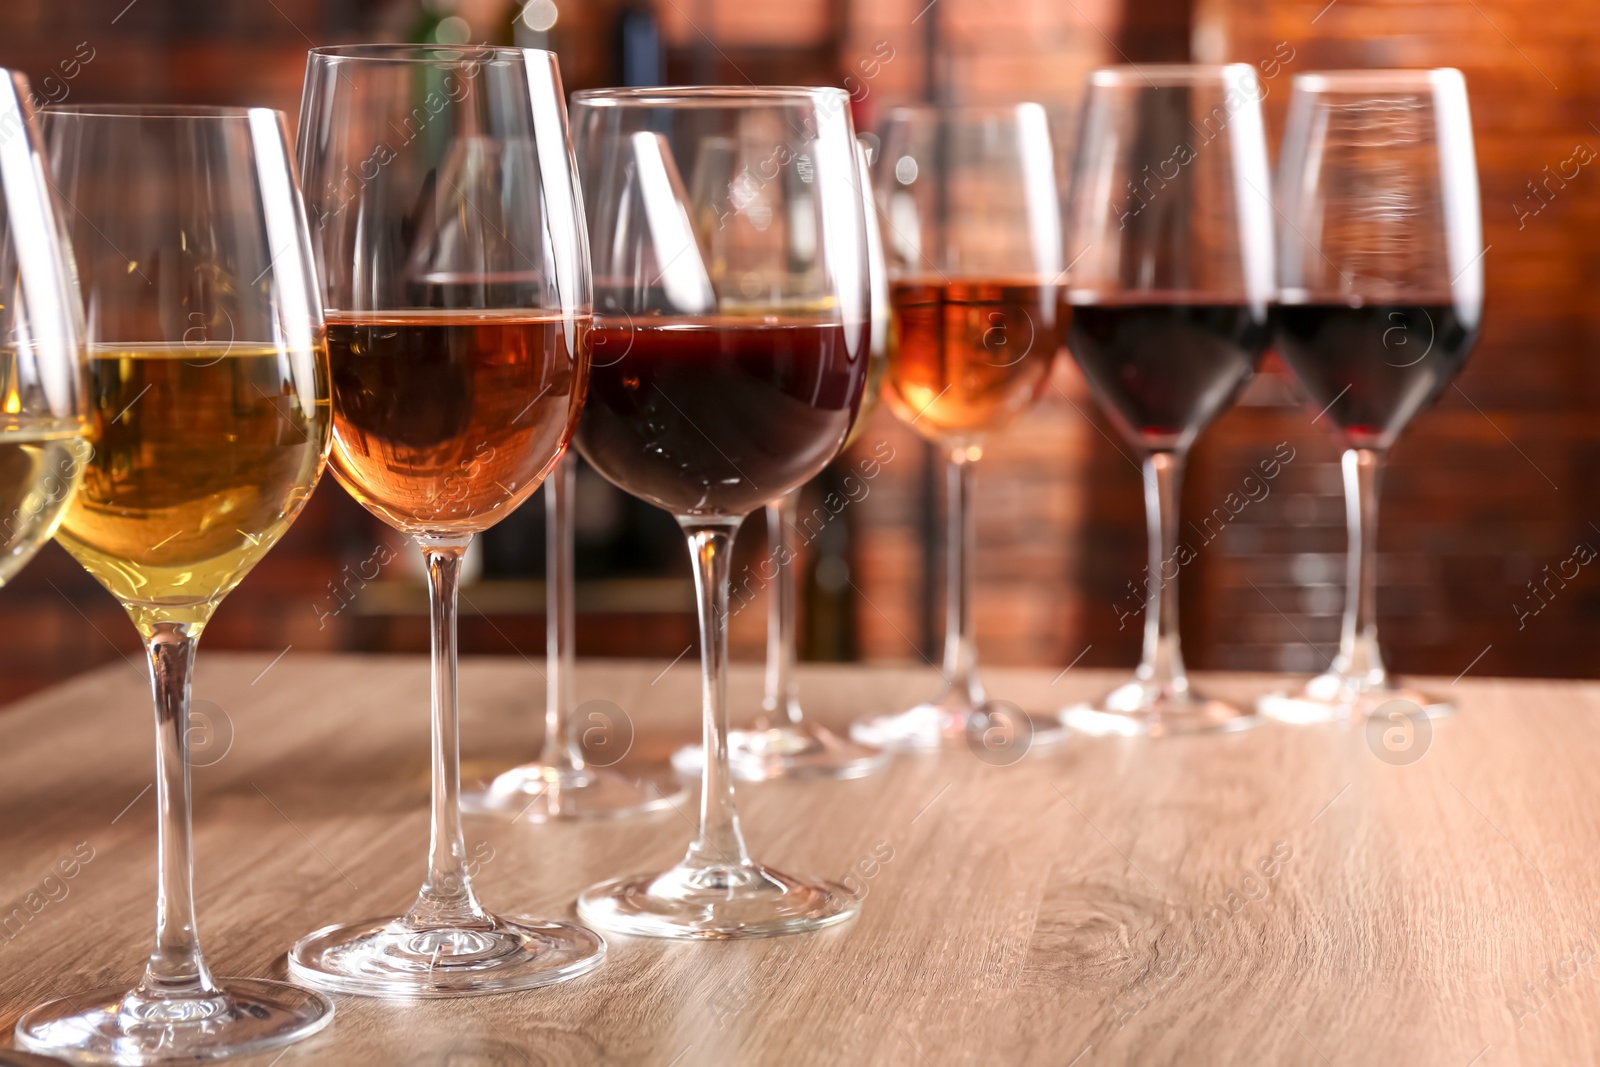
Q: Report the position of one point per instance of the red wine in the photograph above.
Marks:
(1372, 367)
(718, 416)
(1164, 368)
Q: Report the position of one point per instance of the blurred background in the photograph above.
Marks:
(1487, 497)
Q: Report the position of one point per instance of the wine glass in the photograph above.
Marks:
(1380, 268)
(455, 279)
(1169, 212)
(972, 234)
(783, 743)
(562, 784)
(208, 379)
(44, 420)
(719, 396)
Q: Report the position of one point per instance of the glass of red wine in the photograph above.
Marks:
(1169, 217)
(722, 380)
(972, 240)
(448, 230)
(1380, 269)
(783, 742)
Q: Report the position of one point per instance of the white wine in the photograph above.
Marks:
(39, 471)
(203, 456)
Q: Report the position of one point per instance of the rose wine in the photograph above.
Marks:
(718, 416)
(1165, 365)
(203, 455)
(1371, 367)
(445, 421)
(39, 471)
(967, 357)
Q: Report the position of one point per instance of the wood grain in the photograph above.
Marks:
(1282, 896)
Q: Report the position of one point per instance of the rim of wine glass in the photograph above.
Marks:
(434, 55)
(705, 95)
(1317, 81)
(1167, 75)
(156, 111)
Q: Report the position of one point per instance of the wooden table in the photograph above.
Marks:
(1283, 896)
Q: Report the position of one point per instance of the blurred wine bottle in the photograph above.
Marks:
(636, 45)
(827, 623)
(438, 23)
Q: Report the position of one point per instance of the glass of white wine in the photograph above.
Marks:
(44, 408)
(208, 383)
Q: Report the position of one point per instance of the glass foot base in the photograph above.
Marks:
(804, 751)
(716, 902)
(1335, 698)
(384, 958)
(1144, 709)
(537, 792)
(927, 727)
(117, 1026)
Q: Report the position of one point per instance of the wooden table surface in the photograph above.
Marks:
(1283, 896)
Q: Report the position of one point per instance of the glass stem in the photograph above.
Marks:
(446, 899)
(783, 689)
(962, 687)
(1162, 663)
(560, 743)
(719, 844)
(175, 969)
(1359, 659)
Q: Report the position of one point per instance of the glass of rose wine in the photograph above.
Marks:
(449, 234)
(782, 742)
(972, 240)
(1170, 209)
(208, 382)
(1380, 270)
(44, 418)
(722, 389)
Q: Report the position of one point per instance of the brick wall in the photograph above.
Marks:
(1494, 484)
(1484, 492)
